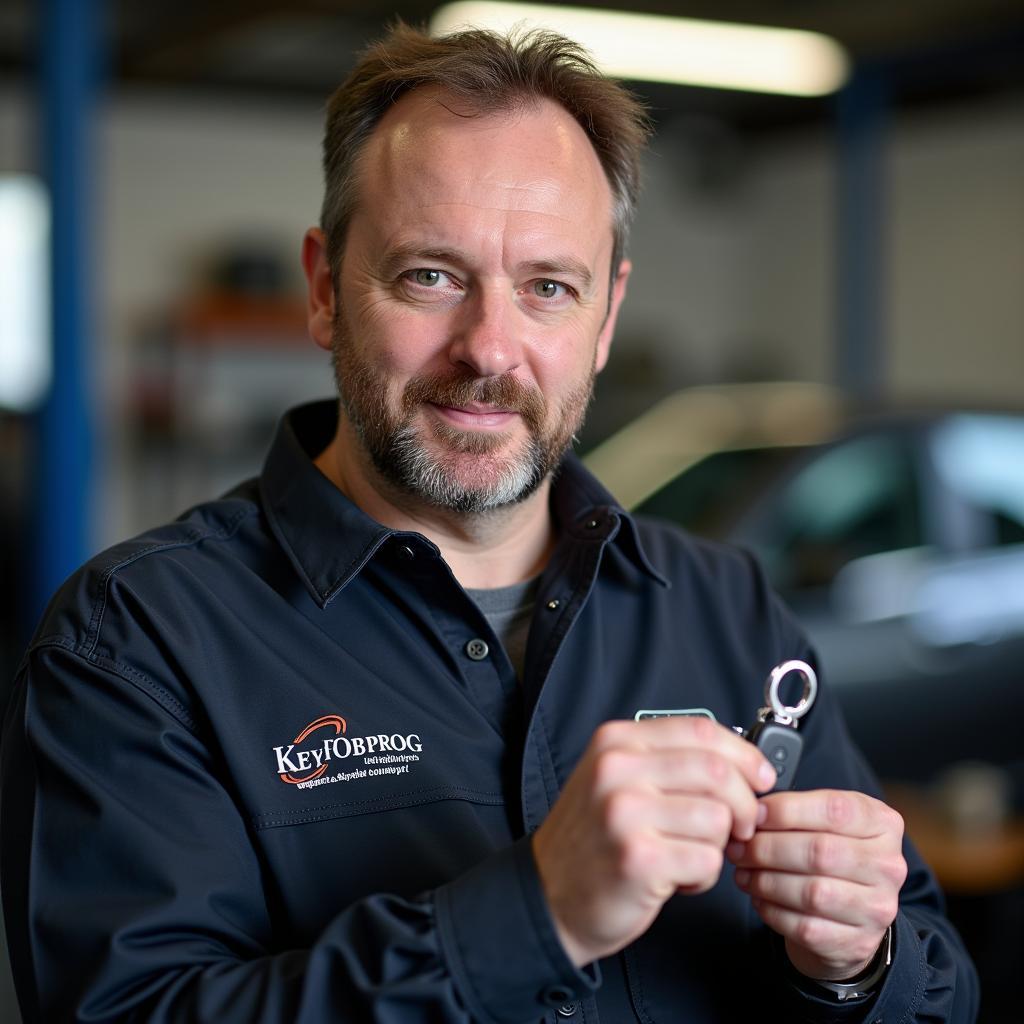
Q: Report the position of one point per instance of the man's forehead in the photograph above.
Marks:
(532, 156)
(430, 122)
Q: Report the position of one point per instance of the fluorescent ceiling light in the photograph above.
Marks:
(25, 345)
(684, 51)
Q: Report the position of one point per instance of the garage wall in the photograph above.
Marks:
(957, 287)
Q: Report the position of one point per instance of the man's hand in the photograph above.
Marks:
(824, 871)
(646, 813)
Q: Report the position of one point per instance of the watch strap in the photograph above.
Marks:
(865, 983)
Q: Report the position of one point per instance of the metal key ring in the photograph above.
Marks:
(806, 700)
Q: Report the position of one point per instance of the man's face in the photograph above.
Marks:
(473, 299)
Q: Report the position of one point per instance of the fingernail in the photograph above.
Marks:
(742, 877)
(762, 813)
(766, 775)
(734, 851)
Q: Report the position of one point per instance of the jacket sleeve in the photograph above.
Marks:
(931, 979)
(133, 891)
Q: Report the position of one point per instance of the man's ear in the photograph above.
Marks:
(604, 339)
(320, 299)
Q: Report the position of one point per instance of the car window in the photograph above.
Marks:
(708, 497)
(857, 497)
(981, 459)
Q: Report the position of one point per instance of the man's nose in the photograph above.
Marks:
(485, 334)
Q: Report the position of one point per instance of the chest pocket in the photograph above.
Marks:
(393, 809)
(338, 766)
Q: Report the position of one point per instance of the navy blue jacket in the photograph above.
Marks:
(256, 770)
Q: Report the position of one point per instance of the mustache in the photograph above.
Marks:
(505, 392)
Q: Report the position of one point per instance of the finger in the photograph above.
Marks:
(831, 899)
(696, 867)
(709, 774)
(682, 771)
(842, 812)
(865, 861)
(843, 945)
(695, 818)
(660, 866)
(696, 732)
(628, 812)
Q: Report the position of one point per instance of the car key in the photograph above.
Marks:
(774, 731)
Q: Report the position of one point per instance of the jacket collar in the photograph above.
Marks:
(328, 539)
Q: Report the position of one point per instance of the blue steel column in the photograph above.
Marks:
(69, 39)
(862, 264)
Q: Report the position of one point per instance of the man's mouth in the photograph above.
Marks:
(475, 415)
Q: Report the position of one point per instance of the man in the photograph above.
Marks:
(354, 742)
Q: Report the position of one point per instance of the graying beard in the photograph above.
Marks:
(426, 476)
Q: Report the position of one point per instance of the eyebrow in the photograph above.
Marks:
(563, 266)
(399, 257)
(559, 266)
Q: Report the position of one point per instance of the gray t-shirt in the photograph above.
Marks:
(509, 610)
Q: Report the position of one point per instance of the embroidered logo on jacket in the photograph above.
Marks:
(306, 761)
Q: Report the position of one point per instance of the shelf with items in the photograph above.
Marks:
(209, 382)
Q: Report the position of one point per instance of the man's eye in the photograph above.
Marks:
(429, 278)
(549, 289)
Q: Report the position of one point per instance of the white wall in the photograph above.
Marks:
(957, 255)
(181, 179)
(735, 274)
(750, 276)
(689, 249)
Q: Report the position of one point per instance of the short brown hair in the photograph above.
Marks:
(491, 73)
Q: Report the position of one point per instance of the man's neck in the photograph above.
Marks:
(483, 550)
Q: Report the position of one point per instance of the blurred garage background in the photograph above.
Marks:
(822, 354)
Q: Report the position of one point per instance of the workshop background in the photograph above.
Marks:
(160, 162)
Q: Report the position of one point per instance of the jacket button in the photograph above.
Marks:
(567, 1010)
(477, 649)
(557, 996)
(405, 552)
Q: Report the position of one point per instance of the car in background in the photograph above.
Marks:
(897, 540)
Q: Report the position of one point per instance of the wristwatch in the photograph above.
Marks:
(865, 983)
